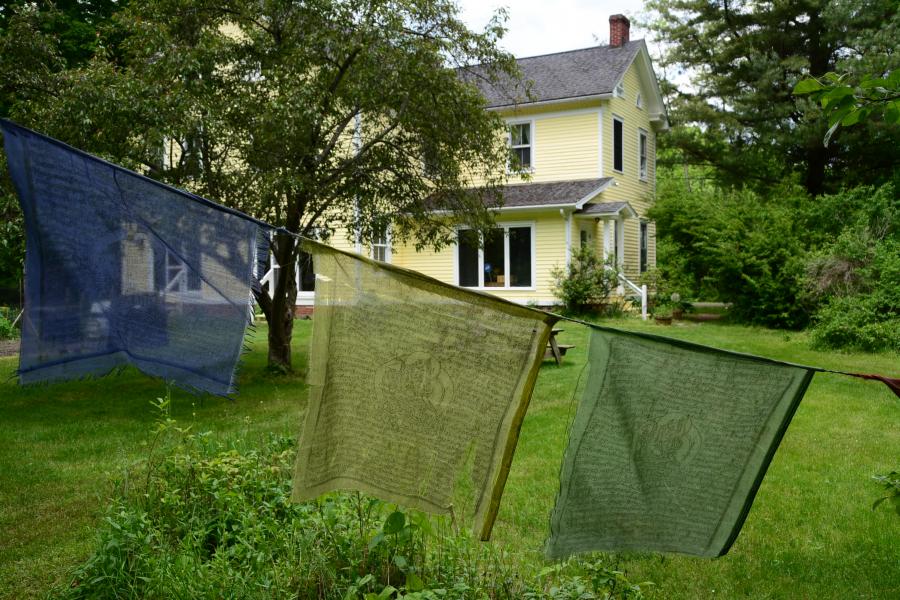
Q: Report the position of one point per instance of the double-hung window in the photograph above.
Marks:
(381, 246)
(520, 146)
(618, 144)
(173, 276)
(504, 260)
(642, 154)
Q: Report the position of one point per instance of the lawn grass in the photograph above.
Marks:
(811, 533)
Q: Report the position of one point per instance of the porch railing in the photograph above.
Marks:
(641, 291)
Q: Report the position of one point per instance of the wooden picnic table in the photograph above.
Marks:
(555, 350)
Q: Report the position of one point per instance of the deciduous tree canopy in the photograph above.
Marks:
(317, 116)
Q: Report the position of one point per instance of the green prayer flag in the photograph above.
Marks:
(669, 445)
(418, 388)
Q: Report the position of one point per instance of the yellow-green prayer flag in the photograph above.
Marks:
(418, 388)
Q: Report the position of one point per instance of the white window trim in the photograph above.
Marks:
(388, 243)
(509, 124)
(619, 90)
(622, 121)
(639, 101)
(506, 288)
(643, 175)
(176, 285)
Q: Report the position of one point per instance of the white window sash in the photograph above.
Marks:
(529, 145)
(506, 259)
(643, 151)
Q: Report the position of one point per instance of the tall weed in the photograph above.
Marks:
(206, 518)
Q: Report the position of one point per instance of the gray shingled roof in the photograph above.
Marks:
(572, 74)
(605, 208)
(556, 192)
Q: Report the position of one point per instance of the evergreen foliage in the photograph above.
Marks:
(744, 58)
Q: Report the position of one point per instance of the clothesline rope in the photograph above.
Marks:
(892, 383)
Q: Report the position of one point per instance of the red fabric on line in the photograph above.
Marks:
(893, 383)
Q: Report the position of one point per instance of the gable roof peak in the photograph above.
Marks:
(581, 73)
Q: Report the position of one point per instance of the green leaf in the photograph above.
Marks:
(394, 523)
(414, 583)
(830, 132)
(836, 97)
(807, 86)
(852, 118)
(873, 83)
(892, 112)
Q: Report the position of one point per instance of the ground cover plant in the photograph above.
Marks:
(68, 451)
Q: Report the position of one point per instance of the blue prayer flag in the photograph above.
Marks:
(121, 269)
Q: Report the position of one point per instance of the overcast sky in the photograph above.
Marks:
(545, 26)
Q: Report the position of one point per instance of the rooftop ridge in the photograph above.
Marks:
(586, 48)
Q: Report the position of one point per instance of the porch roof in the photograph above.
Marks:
(606, 209)
(562, 194)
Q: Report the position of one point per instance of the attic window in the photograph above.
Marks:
(619, 92)
(639, 102)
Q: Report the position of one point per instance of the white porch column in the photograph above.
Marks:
(620, 242)
(568, 218)
(608, 238)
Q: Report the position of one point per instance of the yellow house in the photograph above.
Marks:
(587, 137)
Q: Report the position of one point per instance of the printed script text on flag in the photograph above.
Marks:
(669, 445)
(418, 388)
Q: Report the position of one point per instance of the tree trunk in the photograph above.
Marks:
(279, 310)
(816, 160)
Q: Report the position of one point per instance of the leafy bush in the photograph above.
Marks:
(737, 247)
(787, 260)
(210, 519)
(7, 330)
(858, 323)
(856, 278)
(587, 281)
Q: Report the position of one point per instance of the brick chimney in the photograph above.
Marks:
(618, 30)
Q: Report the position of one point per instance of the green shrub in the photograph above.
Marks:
(586, 282)
(856, 278)
(212, 519)
(855, 323)
(7, 330)
(734, 246)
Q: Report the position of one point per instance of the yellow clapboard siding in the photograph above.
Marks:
(566, 147)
